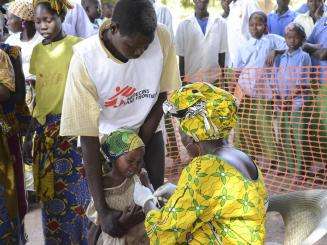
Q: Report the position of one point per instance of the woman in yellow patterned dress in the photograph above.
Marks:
(220, 197)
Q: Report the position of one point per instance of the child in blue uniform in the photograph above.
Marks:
(291, 89)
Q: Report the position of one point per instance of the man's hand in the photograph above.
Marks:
(132, 216)
(319, 12)
(109, 223)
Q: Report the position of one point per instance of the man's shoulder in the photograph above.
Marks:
(87, 45)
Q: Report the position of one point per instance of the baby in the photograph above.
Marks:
(124, 150)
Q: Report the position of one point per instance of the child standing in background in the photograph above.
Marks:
(257, 106)
(280, 18)
(93, 11)
(59, 177)
(107, 8)
(238, 25)
(292, 85)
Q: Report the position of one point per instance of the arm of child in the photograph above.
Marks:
(182, 67)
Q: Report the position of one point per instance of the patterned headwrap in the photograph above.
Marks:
(23, 9)
(205, 112)
(119, 142)
(57, 5)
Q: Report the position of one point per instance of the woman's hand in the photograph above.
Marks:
(109, 223)
(165, 191)
(131, 217)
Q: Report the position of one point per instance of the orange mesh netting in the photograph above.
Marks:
(282, 124)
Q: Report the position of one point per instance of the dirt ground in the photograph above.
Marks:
(275, 229)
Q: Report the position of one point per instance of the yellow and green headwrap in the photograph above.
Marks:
(119, 142)
(205, 112)
(57, 5)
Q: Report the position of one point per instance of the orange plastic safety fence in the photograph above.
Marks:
(282, 124)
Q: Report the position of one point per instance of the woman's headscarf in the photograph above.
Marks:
(205, 112)
(119, 142)
(22, 9)
(57, 5)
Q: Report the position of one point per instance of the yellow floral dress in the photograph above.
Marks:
(213, 204)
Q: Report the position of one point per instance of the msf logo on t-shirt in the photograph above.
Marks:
(127, 95)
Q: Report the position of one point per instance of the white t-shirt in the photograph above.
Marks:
(77, 23)
(126, 91)
(200, 51)
(26, 49)
(238, 25)
(164, 16)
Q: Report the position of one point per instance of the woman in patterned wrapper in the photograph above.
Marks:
(13, 204)
(220, 197)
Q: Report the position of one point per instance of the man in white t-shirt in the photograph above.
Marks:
(238, 25)
(77, 22)
(163, 16)
(120, 79)
(201, 42)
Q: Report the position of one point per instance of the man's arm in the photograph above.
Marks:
(80, 117)
(221, 60)
(152, 121)
(182, 67)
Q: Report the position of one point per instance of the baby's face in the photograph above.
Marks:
(130, 163)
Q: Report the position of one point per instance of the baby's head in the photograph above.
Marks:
(294, 36)
(124, 149)
(258, 24)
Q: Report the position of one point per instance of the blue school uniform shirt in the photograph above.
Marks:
(253, 54)
(291, 72)
(203, 24)
(319, 36)
(305, 8)
(277, 22)
(255, 51)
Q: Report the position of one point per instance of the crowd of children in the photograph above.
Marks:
(89, 69)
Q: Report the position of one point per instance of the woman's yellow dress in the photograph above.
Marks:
(213, 204)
